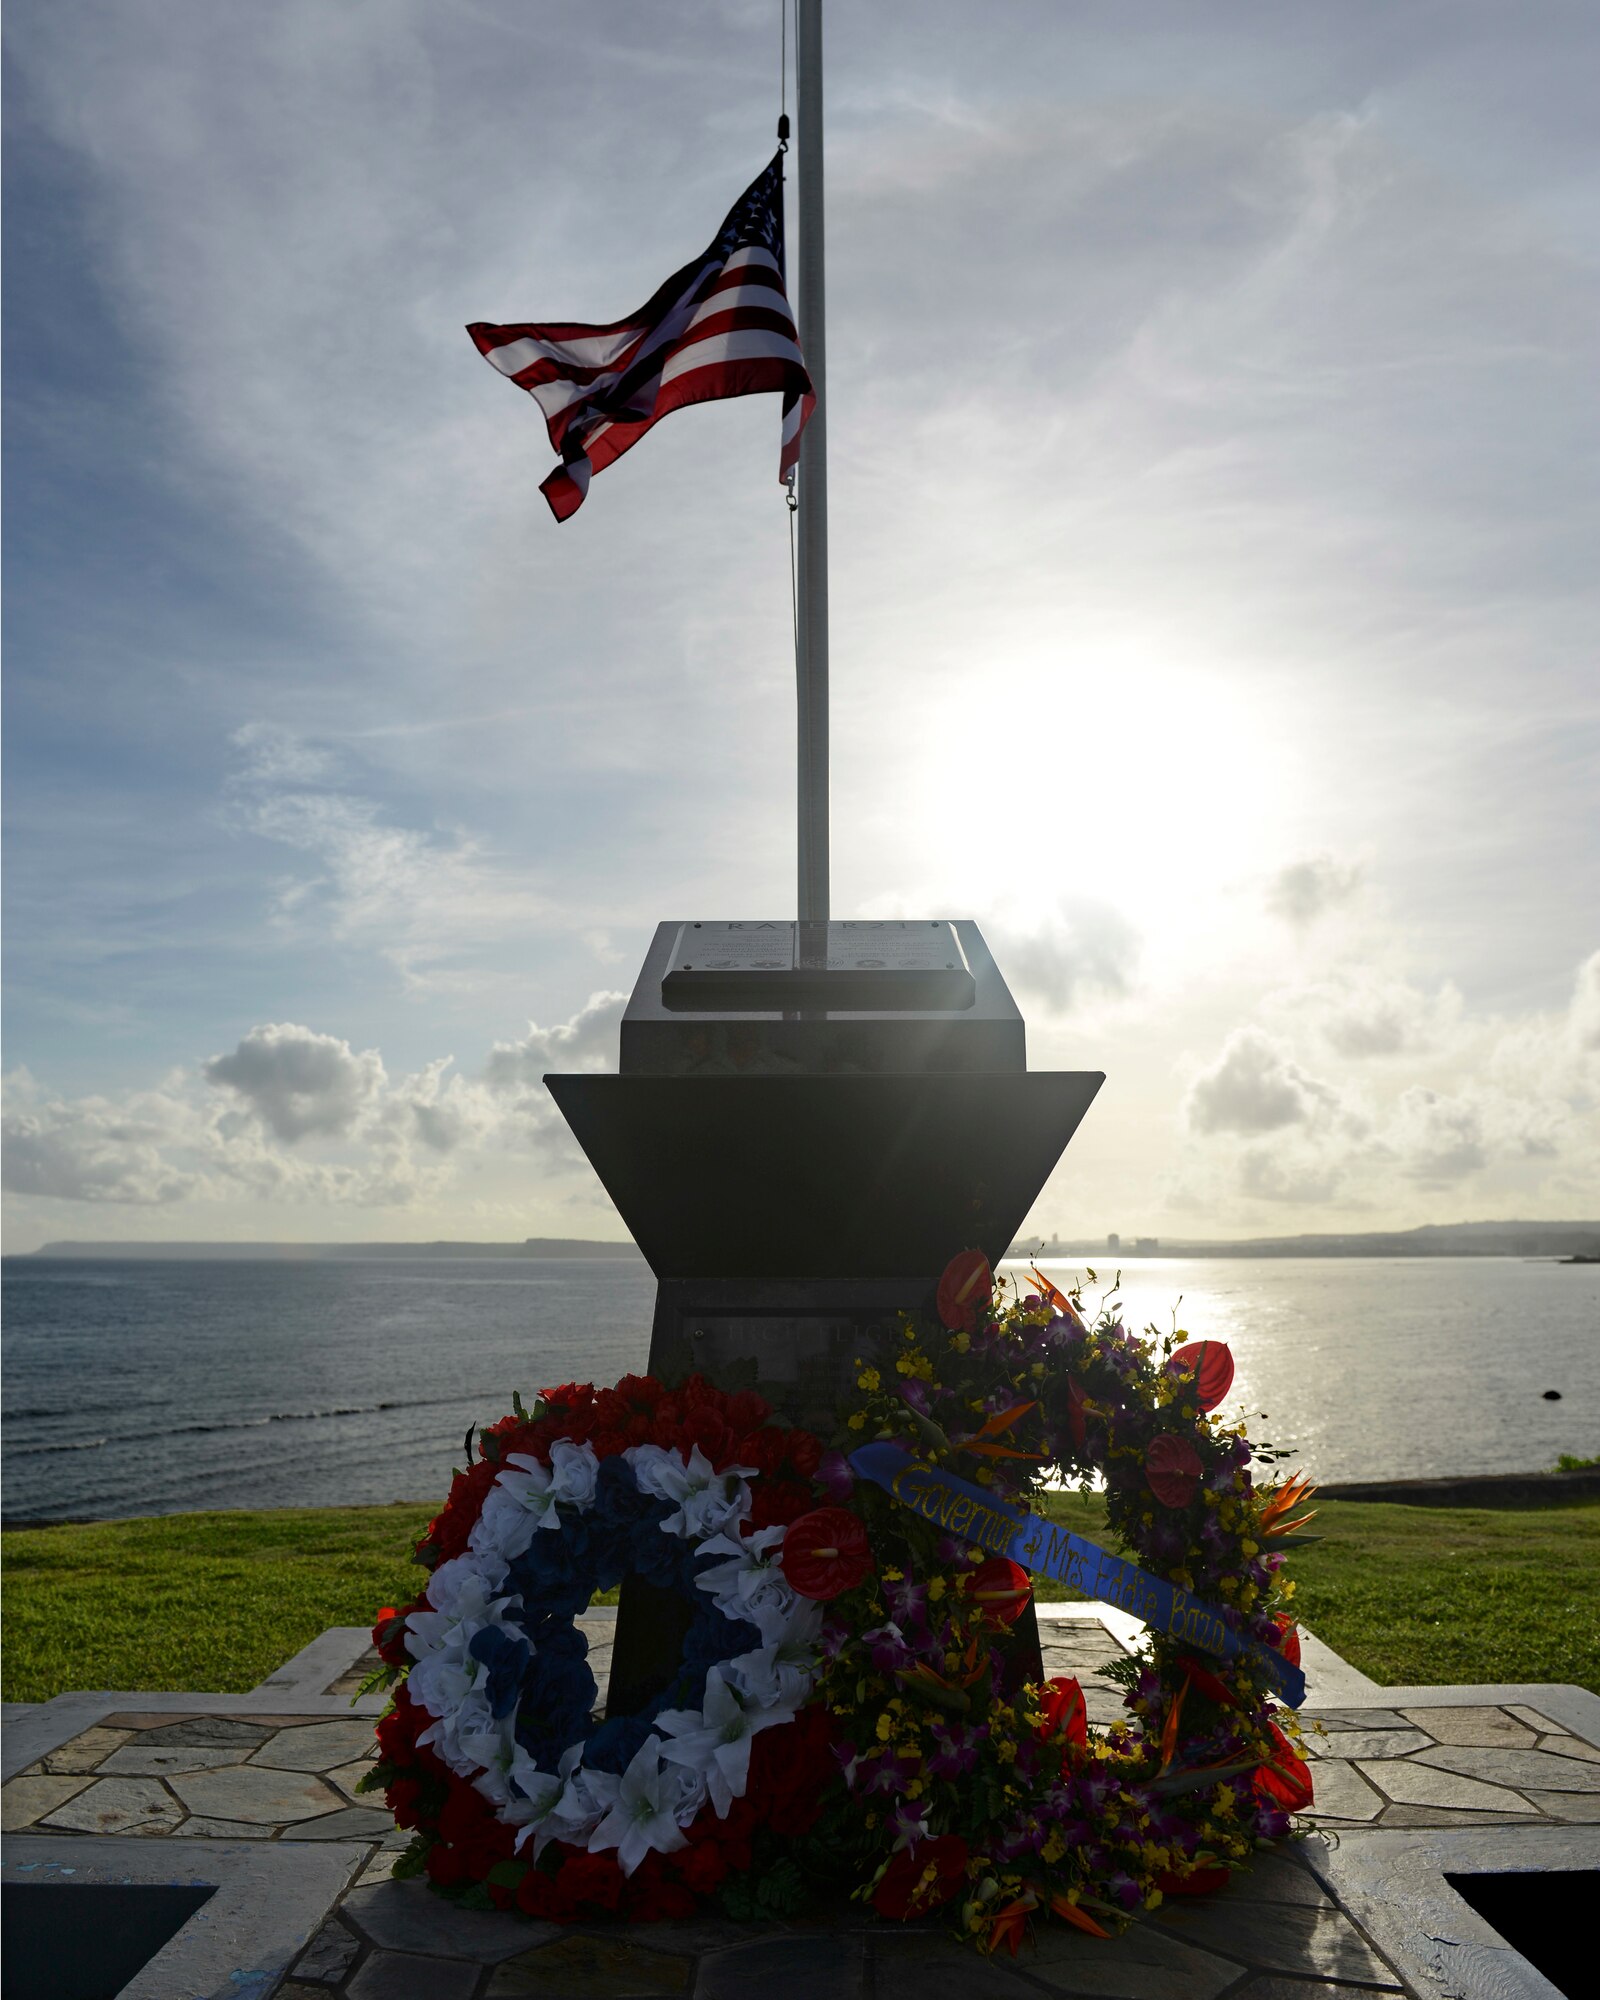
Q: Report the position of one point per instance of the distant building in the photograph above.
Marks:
(1146, 1246)
(1113, 1241)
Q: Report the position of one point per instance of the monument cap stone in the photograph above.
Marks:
(771, 997)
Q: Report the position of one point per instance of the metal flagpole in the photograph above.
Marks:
(811, 652)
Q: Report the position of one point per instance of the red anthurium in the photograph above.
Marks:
(1001, 1587)
(1287, 1779)
(1211, 1364)
(825, 1552)
(1065, 1712)
(1172, 1469)
(922, 1877)
(964, 1290)
(1205, 1682)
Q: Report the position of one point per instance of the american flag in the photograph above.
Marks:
(719, 327)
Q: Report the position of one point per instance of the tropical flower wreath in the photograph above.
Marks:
(848, 1712)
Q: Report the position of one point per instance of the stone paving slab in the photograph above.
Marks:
(250, 1774)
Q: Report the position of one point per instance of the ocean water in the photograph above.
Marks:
(146, 1387)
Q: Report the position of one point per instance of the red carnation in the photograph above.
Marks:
(920, 1878)
(1000, 1588)
(592, 1878)
(964, 1290)
(1288, 1638)
(764, 1448)
(826, 1552)
(805, 1453)
(1172, 1469)
(778, 1503)
(747, 1411)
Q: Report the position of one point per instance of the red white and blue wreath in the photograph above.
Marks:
(493, 1745)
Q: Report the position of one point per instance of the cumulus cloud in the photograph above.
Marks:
(294, 1115)
(299, 1083)
(586, 1042)
(1583, 1017)
(1439, 1139)
(1254, 1086)
(1087, 947)
(92, 1149)
(1308, 889)
(1265, 1176)
(1360, 1014)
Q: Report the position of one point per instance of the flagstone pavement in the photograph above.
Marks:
(260, 1789)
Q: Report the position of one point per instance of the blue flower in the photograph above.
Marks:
(506, 1657)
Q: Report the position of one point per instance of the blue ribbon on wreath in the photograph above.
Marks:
(971, 1515)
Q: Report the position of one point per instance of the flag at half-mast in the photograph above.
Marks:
(719, 327)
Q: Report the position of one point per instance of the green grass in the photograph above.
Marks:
(1414, 1595)
(217, 1601)
(211, 1602)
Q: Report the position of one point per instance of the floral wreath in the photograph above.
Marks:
(849, 1709)
(518, 1796)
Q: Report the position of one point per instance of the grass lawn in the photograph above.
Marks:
(1432, 1594)
(215, 1602)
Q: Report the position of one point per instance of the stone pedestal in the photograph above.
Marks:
(808, 1122)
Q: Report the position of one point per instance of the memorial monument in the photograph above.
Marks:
(808, 1121)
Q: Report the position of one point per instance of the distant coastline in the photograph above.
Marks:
(1433, 1239)
(314, 1253)
(1450, 1239)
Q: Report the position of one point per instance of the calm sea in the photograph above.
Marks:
(143, 1387)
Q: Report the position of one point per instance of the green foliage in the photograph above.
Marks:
(1567, 1462)
(777, 1890)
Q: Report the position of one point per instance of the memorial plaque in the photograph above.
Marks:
(855, 967)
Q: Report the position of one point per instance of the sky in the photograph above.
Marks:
(1213, 419)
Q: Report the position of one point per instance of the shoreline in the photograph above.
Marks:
(1494, 1490)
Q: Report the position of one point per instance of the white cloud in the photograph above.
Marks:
(299, 1083)
(295, 1116)
(93, 1149)
(1081, 948)
(1309, 889)
(587, 1042)
(1254, 1086)
(1584, 1014)
(425, 898)
(1439, 1139)
(1361, 1012)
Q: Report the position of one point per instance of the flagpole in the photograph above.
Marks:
(811, 649)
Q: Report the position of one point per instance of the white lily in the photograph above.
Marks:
(526, 1495)
(750, 1584)
(645, 1814)
(780, 1675)
(706, 1502)
(585, 1799)
(541, 1794)
(463, 1595)
(717, 1740)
